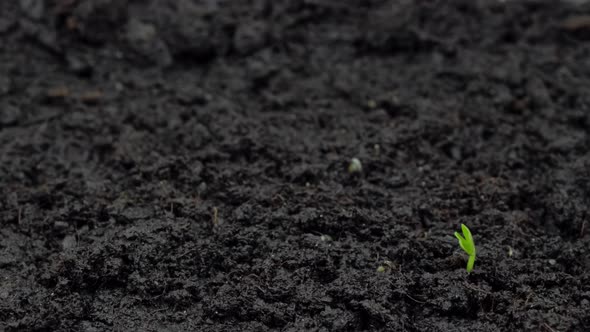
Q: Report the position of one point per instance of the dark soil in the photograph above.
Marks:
(176, 165)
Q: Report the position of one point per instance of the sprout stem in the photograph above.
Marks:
(470, 263)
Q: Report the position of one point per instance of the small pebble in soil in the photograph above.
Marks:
(9, 115)
(250, 37)
(78, 66)
(5, 85)
(6, 24)
(69, 242)
(355, 166)
(59, 225)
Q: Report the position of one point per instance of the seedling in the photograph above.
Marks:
(466, 242)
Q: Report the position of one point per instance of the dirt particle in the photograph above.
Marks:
(33, 8)
(91, 97)
(58, 93)
(9, 115)
(79, 66)
(577, 22)
(6, 24)
(250, 37)
(144, 39)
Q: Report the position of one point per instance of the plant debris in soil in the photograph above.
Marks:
(176, 165)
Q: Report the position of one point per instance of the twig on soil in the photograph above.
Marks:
(548, 327)
(413, 299)
(475, 288)
(215, 216)
(186, 253)
(158, 310)
(526, 301)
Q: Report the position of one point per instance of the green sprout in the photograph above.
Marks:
(466, 242)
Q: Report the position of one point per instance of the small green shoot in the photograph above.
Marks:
(466, 242)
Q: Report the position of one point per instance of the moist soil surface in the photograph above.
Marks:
(175, 165)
